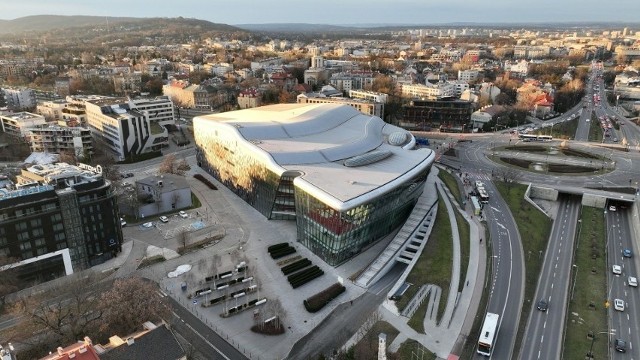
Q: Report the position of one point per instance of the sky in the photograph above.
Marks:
(340, 12)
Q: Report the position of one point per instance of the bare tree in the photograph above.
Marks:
(274, 308)
(69, 311)
(183, 237)
(168, 165)
(129, 303)
(507, 175)
(9, 282)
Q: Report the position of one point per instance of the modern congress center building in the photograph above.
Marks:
(348, 179)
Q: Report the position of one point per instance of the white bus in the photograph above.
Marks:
(488, 335)
(528, 137)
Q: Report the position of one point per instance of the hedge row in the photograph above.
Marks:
(275, 247)
(298, 265)
(205, 181)
(302, 277)
(282, 252)
(318, 301)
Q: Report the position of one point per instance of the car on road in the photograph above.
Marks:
(147, 225)
(632, 281)
(620, 345)
(612, 208)
(617, 269)
(618, 304)
(122, 222)
(627, 253)
(164, 219)
(126, 175)
(542, 305)
(183, 214)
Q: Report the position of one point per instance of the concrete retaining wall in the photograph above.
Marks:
(543, 193)
(596, 201)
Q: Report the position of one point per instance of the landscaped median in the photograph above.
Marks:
(587, 313)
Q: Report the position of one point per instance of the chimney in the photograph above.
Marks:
(130, 341)
(87, 340)
(60, 352)
(82, 350)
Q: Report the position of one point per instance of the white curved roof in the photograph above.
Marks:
(316, 139)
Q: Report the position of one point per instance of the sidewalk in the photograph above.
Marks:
(450, 335)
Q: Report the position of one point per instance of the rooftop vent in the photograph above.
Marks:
(397, 138)
(368, 158)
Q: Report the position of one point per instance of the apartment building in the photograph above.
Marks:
(468, 75)
(18, 124)
(249, 98)
(19, 99)
(430, 91)
(369, 96)
(123, 129)
(51, 110)
(266, 63)
(59, 139)
(364, 106)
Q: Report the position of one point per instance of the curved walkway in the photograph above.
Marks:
(449, 335)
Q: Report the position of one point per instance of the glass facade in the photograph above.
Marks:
(237, 169)
(337, 236)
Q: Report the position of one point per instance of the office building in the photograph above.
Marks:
(18, 124)
(59, 219)
(124, 129)
(346, 178)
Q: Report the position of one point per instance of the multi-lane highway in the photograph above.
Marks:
(624, 324)
(545, 326)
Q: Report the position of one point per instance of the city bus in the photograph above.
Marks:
(528, 137)
(487, 339)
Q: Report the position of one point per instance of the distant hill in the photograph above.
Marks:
(45, 23)
(297, 27)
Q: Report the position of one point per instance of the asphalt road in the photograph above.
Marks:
(545, 330)
(506, 286)
(204, 340)
(624, 324)
(344, 320)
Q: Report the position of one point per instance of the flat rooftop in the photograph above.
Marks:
(317, 140)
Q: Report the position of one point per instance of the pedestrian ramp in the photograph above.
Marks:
(408, 242)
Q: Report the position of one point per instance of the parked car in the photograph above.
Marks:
(122, 222)
(632, 281)
(147, 225)
(164, 219)
(612, 208)
(183, 214)
(618, 304)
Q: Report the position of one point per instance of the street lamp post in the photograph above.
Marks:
(575, 277)
(593, 339)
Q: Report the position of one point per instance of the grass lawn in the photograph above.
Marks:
(563, 130)
(368, 345)
(451, 182)
(412, 349)
(591, 286)
(433, 265)
(465, 243)
(534, 228)
(595, 132)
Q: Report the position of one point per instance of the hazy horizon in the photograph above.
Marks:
(345, 12)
